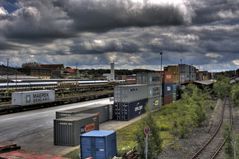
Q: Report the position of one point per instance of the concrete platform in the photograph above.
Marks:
(33, 130)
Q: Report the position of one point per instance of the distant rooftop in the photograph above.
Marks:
(205, 82)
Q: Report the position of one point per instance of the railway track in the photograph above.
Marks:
(215, 143)
(8, 108)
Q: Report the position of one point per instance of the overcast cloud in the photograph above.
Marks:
(92, 33)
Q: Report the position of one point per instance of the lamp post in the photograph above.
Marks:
(161, 71)
(161, 57)
(7, 72)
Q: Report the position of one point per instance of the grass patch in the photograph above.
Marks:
(73, 154)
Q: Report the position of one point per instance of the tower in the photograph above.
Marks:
(112, 71)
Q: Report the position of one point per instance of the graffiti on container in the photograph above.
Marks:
(87, 128)
(40, 97)
(156, 102)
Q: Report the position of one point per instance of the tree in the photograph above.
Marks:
(222, 87)
(235, 94)
(154, 140)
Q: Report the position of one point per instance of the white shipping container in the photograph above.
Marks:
(154, 90)
(33, 97)
(130, 93)
(149, 78)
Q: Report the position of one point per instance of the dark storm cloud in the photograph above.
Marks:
(44, 19)
(36, 20)
(212, 11)
(107, 14)
(96, 32)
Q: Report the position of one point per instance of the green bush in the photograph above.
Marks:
(222, 87)
(235, 94)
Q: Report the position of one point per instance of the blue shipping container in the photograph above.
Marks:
(127, 111)
(98, 144)
(169, 88)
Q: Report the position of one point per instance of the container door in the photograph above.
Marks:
(111, 146)
(100, 151)
(86, 147)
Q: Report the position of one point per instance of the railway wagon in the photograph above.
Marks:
(26, 98)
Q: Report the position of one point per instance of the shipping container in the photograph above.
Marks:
(130, 93)
(102, 110)
(67, 130)
(167, 99)
(149, 78)
(98, 144)
(126, 111)
(33, 97)
(171, 78)
(168, 88)
(154, 103)
(154, 91)
(174, 96)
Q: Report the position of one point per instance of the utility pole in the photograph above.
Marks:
(7, 72)
(161, 56)
(179, 70)
(161, 71)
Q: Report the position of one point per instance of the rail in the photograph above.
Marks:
(214, 135)
(223, 143)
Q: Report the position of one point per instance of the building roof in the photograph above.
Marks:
(205, 82)
(52, 66)
(98, 133)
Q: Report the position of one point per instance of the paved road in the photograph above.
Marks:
(33, 130)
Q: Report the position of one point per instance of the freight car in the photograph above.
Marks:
(33, 97)
(51, 84)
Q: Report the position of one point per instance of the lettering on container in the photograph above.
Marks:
(168, 88)
(40, 97)
(65, 115)
(138, 108)
(65, 123)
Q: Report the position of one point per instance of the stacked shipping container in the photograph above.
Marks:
(170, 84)
(129, 101)
(154, 90)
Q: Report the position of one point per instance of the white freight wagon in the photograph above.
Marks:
(33, 97)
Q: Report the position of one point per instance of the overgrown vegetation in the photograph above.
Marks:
(222, 87)
(175, 120)
(235, 94)
(154, 140)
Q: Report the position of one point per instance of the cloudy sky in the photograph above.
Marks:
(92, 33)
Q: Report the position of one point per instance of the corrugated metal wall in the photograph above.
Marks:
(130, 93)
(67, 130)
(130, 110)
(102, 110)
(98, 147)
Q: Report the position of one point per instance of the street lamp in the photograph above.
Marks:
(161, 56)
(7, 72)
